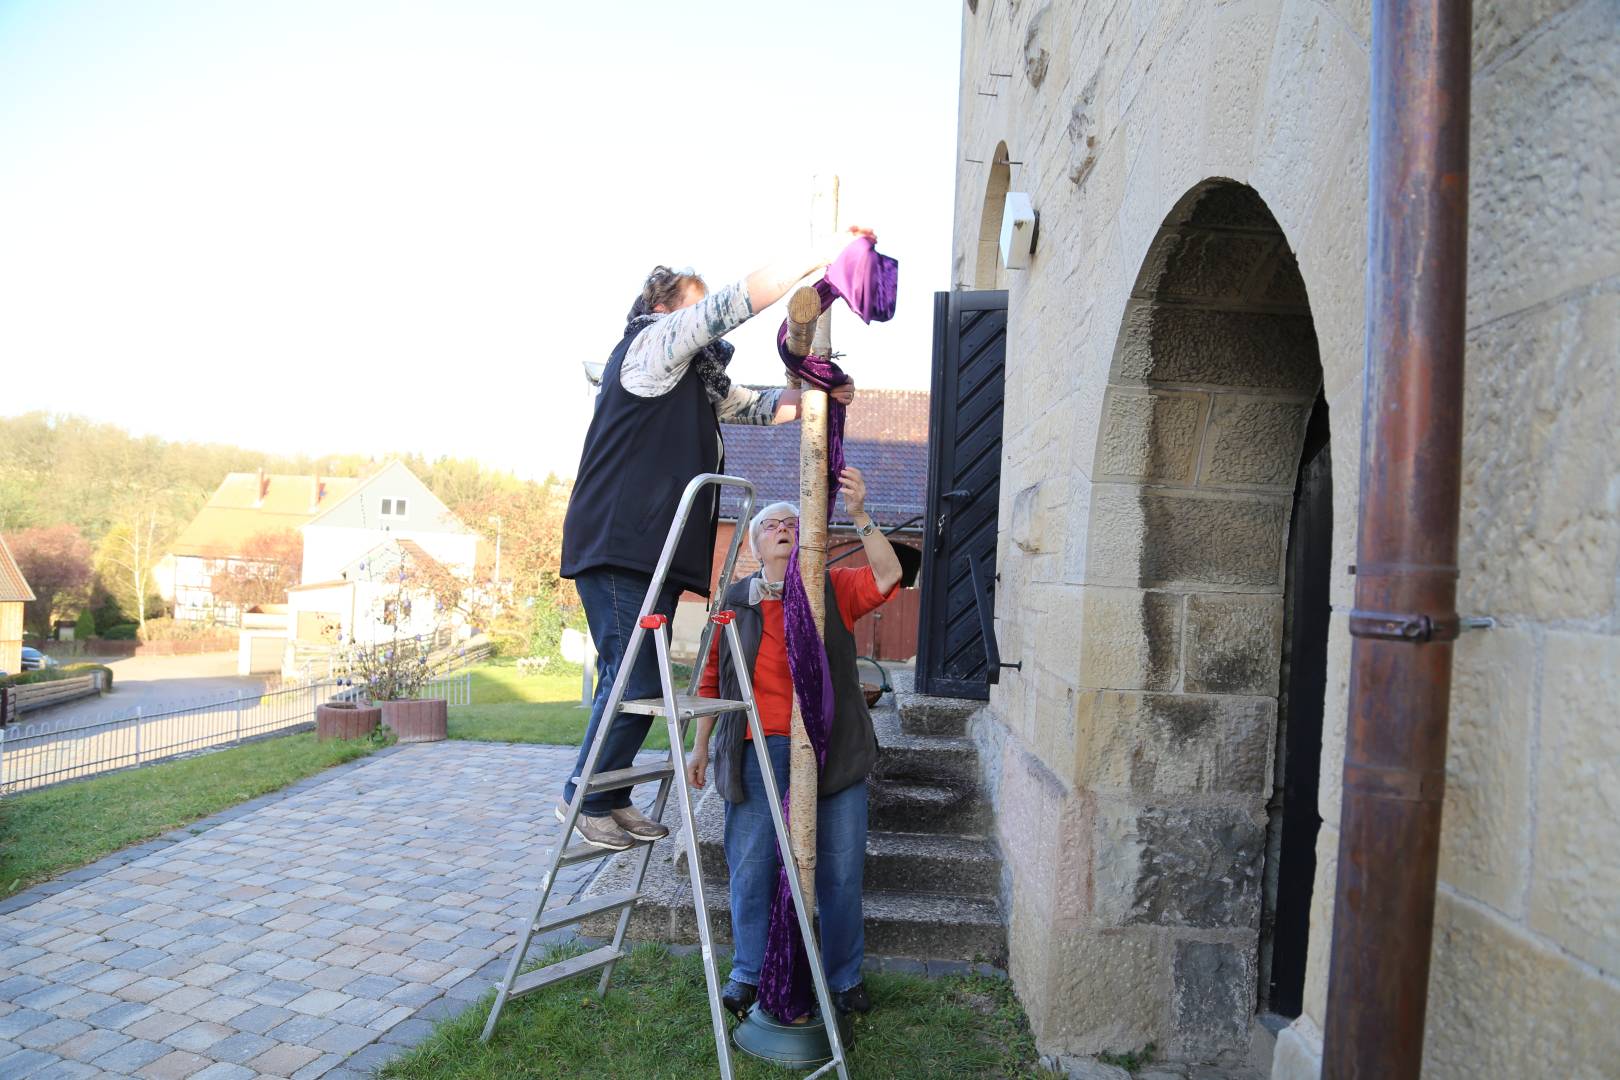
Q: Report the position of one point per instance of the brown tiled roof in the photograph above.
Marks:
(418, 555)
(885, 436)
(235, 513)
(13, 589)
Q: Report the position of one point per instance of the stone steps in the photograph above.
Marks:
(923, 926)
(931, 716)
(895, 861)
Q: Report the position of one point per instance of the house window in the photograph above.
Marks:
(393, 508)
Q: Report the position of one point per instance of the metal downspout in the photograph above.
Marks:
(1406, 573)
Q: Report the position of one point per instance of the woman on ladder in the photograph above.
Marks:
(664, 395)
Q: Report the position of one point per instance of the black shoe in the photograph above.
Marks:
(854, 999)
(738, 998)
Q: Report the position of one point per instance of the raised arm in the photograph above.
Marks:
(880, 554)
(660, 354)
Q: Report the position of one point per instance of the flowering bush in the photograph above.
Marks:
(399, 664)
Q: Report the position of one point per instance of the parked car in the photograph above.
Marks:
(33, 659)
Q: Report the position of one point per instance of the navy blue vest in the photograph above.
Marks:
(639, 455)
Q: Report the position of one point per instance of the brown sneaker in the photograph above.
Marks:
(638, 825)
(600, 832)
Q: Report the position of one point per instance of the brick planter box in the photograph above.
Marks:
(345, 721)
(418, 719)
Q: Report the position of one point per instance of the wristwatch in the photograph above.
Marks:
(868, 529)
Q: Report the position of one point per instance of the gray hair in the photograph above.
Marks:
(759, 520)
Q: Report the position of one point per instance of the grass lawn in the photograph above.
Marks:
(512, 707)
(655, 1023)
(44, 833)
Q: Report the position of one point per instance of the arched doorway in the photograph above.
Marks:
(1199, 584)
(988, 273)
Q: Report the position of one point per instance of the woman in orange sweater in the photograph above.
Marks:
(851, 750)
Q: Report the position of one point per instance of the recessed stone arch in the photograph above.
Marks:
(1213, 382)
(988, 273)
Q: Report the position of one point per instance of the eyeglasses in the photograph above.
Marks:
(771, 525)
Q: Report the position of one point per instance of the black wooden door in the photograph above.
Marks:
(1310, 570)
(954, 656)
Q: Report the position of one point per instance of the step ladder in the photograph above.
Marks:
(677, 710)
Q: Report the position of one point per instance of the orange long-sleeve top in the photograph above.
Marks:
(858, 594)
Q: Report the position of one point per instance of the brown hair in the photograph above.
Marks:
(665, 286)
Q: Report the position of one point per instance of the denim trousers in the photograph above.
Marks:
(612, 599)
(840, 865)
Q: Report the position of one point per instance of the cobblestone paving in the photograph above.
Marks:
(315, 932)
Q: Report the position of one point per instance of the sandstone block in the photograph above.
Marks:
(1174, 743)
(1242, 37)
(1105, 990)
(1193, 264)
(1540, 516)
(1230, 349)
(1130, 640)
(1150, 435)
(1486, 823)
(1575, 891)
(1234, 644)
(1151, 538)
(1178, 866)
(1564, 85)
(1504, 1004)
(1212, 997)
(1299, 1053)
(1254, 442)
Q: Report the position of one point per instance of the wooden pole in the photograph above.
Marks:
(813, 497)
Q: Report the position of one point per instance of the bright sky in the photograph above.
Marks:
(376, 226)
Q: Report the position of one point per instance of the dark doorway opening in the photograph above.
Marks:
(1293, 808)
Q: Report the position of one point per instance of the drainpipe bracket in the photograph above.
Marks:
(1387, 626)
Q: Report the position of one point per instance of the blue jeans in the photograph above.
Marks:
(612, 599)
(840, 865)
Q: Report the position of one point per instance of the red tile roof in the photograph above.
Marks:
(885, 436)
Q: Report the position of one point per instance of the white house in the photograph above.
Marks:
(354, 554)
(245, 507)
(390, 504)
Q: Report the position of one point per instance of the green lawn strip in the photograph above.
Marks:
(45, 833)
(512, 707)
(655, 1023)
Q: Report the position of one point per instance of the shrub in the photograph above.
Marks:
(51, 674)
(108, 615)
(168, 629)
(85, 628)
(121, 632)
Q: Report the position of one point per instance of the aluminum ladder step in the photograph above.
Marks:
(687, 707)
(616, 779)
(531, 981)
(584, 909)
(583, 852)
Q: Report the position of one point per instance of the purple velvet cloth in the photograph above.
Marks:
(866, 281)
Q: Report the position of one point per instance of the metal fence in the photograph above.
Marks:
(48, 752)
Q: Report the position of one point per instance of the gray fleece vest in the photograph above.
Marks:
(852, 746)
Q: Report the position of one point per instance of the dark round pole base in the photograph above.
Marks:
(798, 1045)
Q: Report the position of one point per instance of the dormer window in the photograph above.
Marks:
(393, 508)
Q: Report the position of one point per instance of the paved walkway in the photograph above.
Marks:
(314, 932)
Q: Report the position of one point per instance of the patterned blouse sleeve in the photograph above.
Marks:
(660, 354)
(745, 406)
